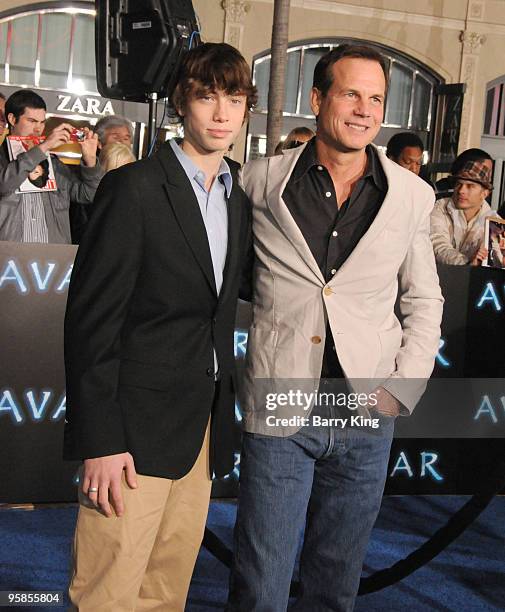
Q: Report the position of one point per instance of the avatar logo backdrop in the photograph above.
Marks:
(33, 287)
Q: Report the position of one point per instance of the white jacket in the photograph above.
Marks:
(292, 301)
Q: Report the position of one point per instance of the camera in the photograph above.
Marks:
(77, 135)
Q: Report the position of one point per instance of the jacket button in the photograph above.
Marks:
(327, 291)
(210, 371)
(316, 339)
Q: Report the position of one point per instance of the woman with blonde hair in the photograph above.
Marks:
(115, 155)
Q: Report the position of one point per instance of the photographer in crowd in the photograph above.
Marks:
(41, 216)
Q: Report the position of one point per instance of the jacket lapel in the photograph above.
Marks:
(279, 171)
(395, 194)
(233, 249)
(183, 201)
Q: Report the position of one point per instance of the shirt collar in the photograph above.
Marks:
(374, 169)
(308, 159)
(483, 210)
(196, 174)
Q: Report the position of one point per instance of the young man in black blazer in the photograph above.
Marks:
(149, 347)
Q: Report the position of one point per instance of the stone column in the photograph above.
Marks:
(235, 12)
(471, 45)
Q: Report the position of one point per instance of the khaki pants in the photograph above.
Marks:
(145, 559)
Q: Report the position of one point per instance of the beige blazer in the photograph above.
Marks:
(292, 302)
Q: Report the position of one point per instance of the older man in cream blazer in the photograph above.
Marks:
(339, 231)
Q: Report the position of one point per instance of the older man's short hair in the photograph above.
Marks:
(112, 121)
(323, 75)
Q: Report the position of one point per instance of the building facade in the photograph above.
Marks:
(49, 46)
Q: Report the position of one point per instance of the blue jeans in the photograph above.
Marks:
(329, 481)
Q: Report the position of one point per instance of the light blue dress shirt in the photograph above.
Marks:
(214, 209)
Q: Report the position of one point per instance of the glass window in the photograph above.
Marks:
(489, 111)
(310, 59)
(257, 147)
(399, 95)
(84, 77)
(291, 83)
(261, 77)
(3, 48)
(24, 50)
(422, 102)
(409, 102)
(55, 50)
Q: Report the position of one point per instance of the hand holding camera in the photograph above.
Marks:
(57, 137)
(65, 133)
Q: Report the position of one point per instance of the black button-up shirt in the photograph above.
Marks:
(331, 232)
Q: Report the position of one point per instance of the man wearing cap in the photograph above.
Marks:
(457, 222)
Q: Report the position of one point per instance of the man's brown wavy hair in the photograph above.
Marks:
(210, 67)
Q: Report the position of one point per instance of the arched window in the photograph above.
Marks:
(493, 136)
(409, 105)
(49, 48)
(494, 121)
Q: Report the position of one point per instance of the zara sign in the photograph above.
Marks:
(84, 106)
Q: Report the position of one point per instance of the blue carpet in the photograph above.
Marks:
(469, 576)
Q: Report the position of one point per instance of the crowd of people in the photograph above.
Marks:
(458, 220)
(56, 206)
(457, 223)
(172, 242)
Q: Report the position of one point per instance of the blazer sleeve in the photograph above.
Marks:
(102, 283)
(421, 306)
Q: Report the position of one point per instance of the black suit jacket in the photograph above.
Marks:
(143, 317)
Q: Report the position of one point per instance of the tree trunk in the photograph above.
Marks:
(278, 64)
